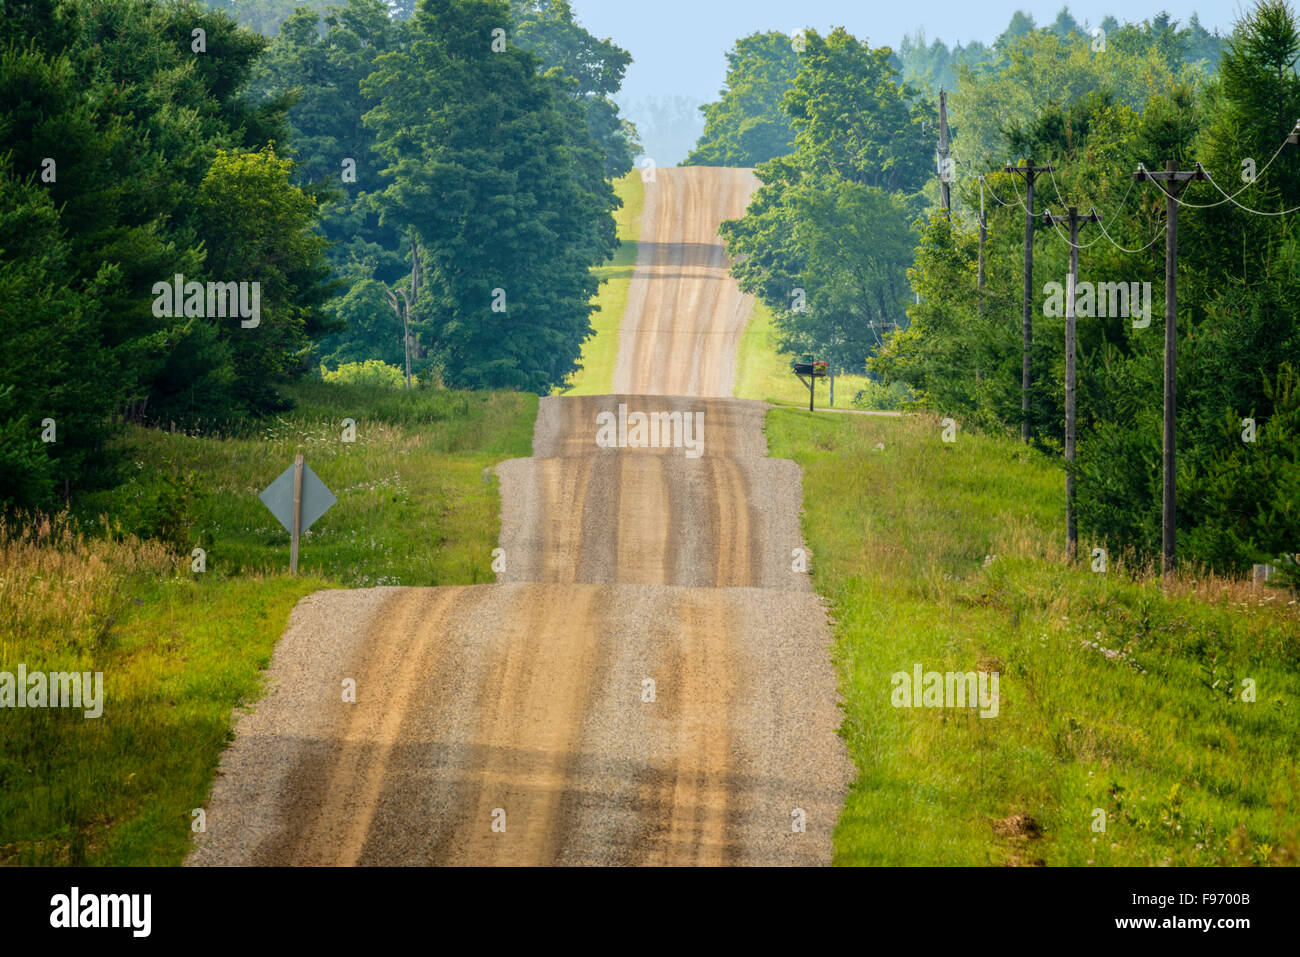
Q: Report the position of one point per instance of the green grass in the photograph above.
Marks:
(416, 506)
(1155, 735)
(119, 789)
(181, 651)
(763, 373)
(600, 352)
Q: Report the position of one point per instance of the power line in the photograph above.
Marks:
(1292, 139)
(1105, 232)
(995, 196)
(1056, 225)
(1256, 212)
(1139, 249)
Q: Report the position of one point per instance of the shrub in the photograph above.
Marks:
(874, 396)
(372, 372)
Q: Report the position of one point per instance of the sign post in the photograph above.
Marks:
(297, 499)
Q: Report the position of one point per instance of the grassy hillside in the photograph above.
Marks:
(1117, 697)
(600, 352)
(179, 651)
(762, 373)
(415, 507)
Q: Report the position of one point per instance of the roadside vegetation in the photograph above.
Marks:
(293, 174)
(849, 246)
(763, 373)
(180, 651)
(1118, 697)
(600, 352)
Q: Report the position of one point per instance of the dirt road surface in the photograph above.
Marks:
(684, 315)
(648, 683)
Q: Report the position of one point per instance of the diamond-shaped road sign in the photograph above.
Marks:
(316, 498)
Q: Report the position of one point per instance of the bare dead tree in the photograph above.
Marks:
(403, 299)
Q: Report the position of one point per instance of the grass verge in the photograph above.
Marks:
(600, 352)
(763, 373)
(180, 651)
(1123, 705)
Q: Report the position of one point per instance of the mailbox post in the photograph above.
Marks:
(808, 373)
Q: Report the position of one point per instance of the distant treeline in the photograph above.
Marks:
(748, 126)
(935, 65)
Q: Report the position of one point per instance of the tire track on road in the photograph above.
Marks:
(627, 571)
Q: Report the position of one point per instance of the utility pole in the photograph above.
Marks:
(945, 189)
(984, 231)
(1173, 181)
(1071, 395)
(1030, 172)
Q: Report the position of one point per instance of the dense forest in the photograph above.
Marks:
(848, 244)
(192, 213)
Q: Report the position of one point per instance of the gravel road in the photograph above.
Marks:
(648, 683)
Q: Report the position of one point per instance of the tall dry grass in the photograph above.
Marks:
(60, 590)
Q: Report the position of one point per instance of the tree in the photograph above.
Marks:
(55, 378)
(826, 240)
(747, 126)
(483, 169)
(257, 227)
(112, 113)
(1095, 119)
(1065, 24)
(266, 17)
(853, 117)
(1021, 25)
(319, 63)
(857, 244)
(548, 29)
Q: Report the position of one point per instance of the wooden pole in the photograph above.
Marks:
(406, 336)
(945, 189)
(983, 237)
(1174, 181)
(1071, 395)
(297, 514)
(1168, 509)
(1026, 368)
(1030, 173)
(1071, 374)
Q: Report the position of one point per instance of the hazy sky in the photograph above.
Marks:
(679, 45)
